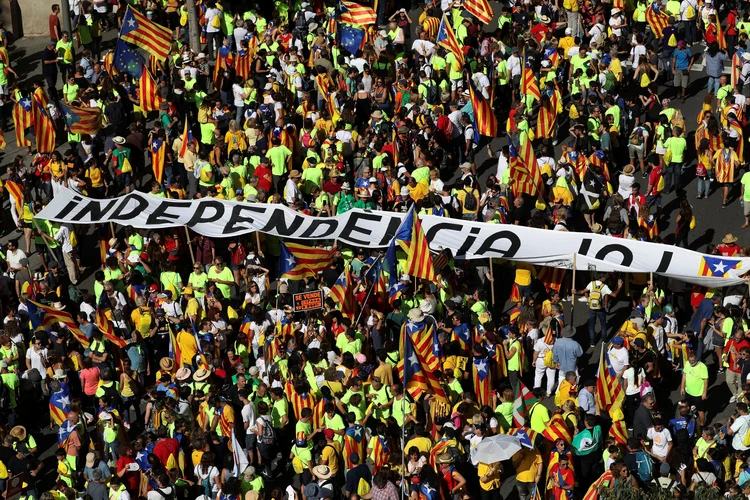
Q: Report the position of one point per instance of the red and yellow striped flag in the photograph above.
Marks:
(608, 388)
(300, 261)
(720, 38)
(480, 9)
(529, 86)
(105, 326)
(242, 65)
(524, 170)
(484, 115)
(603, 481)
(557, 429)
(52, 316)
(44, 129)
(16, 195)
(656, 19)
(158, 158)
(22, 119)
(418, 258)
(619, 431)
(447, 38)
(150, 98)
(354, 13)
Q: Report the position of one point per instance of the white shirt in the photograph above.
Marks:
(292, 192)
(514, 66)
(238, 93)
(209, 15)
(634, 383)
(739, 429)
(155, 495)
(63, 237)
(619, 358)
(615, 21)
(541, 347)
(173, 310)
(37, 360)
(637, 52)
(14, 258)
(359, 63)
(502, 165)
(483, 83)
(248, 416)
(660, 440)
(424, 47)
(239, 35)
(596, 33)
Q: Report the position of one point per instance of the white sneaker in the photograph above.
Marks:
(733, 399)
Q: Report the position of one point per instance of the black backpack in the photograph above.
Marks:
(4, 396)
(470, 201)
(433, 95)
(111, 393)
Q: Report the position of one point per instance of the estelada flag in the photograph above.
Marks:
(656, 19)
(16, 194)
(148, 35)
(22, 119)
(484, 115)
(343, 292)
(82, 119)
(608, 388)
(619, 431)
(187, 138)
(59, 407)
(482, 380)
(105, 326)
(720, 38)
(158, 158)
(447, 38)
(243, 64)
(593, 491)
(299, 261)
(44, 129)
(354, 13)
(529, 86)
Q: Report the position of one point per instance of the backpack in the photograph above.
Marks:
(470, 202)
(615, 222)
(298, 465)
(205, 483)
(549, 359)
(433, 96)
(595, 296)
(610, 81)
(300, 23)
(672, 42)
(306, 138)
(645, 466)
(690, 12)
(267, 112)
(111, 393)
(267, 435)
(363, 488)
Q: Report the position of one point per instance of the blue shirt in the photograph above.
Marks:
(715, 64)
(586, 401)
(705, 311)
(566, 352)
(682, 59)
(137, 356)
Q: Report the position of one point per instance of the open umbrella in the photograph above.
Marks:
(496, 448)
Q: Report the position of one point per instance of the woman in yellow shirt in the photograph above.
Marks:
(128, 390)
(95, 179)
(58, 171)
(234, 139)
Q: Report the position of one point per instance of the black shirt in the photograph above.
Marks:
(49, 68)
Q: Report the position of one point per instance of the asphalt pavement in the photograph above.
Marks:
(713, 223)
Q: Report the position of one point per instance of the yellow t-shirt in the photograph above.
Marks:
(494, 477)
(527, 468)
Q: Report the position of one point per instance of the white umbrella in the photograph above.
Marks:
(496, 448)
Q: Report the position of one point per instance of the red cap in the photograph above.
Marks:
(328, 433)
(154, 288)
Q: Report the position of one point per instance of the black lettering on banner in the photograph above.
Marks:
(203, 206)
(141, 204)
(627, 255)
(277, 223)
(68, 208)
(331, 225)
(585, 246)
(233, 225)
(351, 227)
(390, 232)
(509, 236)
(95, 209)
(442, 226)
(161, 211)
(469, 241)
(666, 259)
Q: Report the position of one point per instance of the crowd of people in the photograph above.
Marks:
(175, 365)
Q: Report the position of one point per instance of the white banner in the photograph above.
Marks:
(374, 229)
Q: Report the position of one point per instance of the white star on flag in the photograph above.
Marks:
(482, 366)
(65, 400)
(413, 359)
(358, 431)
(291, 261)
(131, 23)
(720, 267)
(68, 116)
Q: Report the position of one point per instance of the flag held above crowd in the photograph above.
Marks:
(148, 35)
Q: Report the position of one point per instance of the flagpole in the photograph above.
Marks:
(189, 245)
(403, 427)
(367, 297)
(492, 283)
(45, 241)
(572, 295)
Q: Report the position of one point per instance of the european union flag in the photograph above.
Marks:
(351, 38)
(128, 60)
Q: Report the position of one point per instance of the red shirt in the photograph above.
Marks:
(728, 249)
(54, 22)
(265, 179)
(540, 31)
(733, 366)
(653, 180)
(131, 479)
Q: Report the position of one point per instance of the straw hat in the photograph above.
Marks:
(182, 374)
(120, 140)
(59, 374)
(544, 19)
(628, 170)
(377, 114)
(729, 238)
(445, 458)
(18, 432)
(294, 173)
(112, 242)
(105, 415)
(596, 227)
(166, 364)
(322, 472)
(201, 375)
(416, 315)
(90, 459)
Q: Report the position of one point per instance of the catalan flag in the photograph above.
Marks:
(412, 240)
(16, 195)
(359, 15)
(187, 138)
(300, 402)
(175, 351)
(431, 26)
(736, 69)
(740, 149)
(59, 406)
(608, 388)
(480, 9)
(105, 326)
(546, 125)
(64, 432)
(299, 261)
(82, 120)
(141, 32)
(158, 158)
(603, 481)
(22, 119)
(381, 452)
(484, 115)
(447, 38)
(619, 431)
(554, 459)
(717, 266)
(720, 38)
(529, 86)
(656, 19)
(521, 405)
(52, 316)
(243, 64)
(342, 292)
(551, 277)
(557, 429)
(524, 170)
(44, 129)
(221, 65)
(150, 98)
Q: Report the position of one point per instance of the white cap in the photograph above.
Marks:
(545, 64)
(614, 11)
(568, 31)
(402, 171)
(373, 179)
(404, 191)
(405, 277)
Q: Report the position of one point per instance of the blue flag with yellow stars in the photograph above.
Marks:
(128, 60)
(351, 38)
